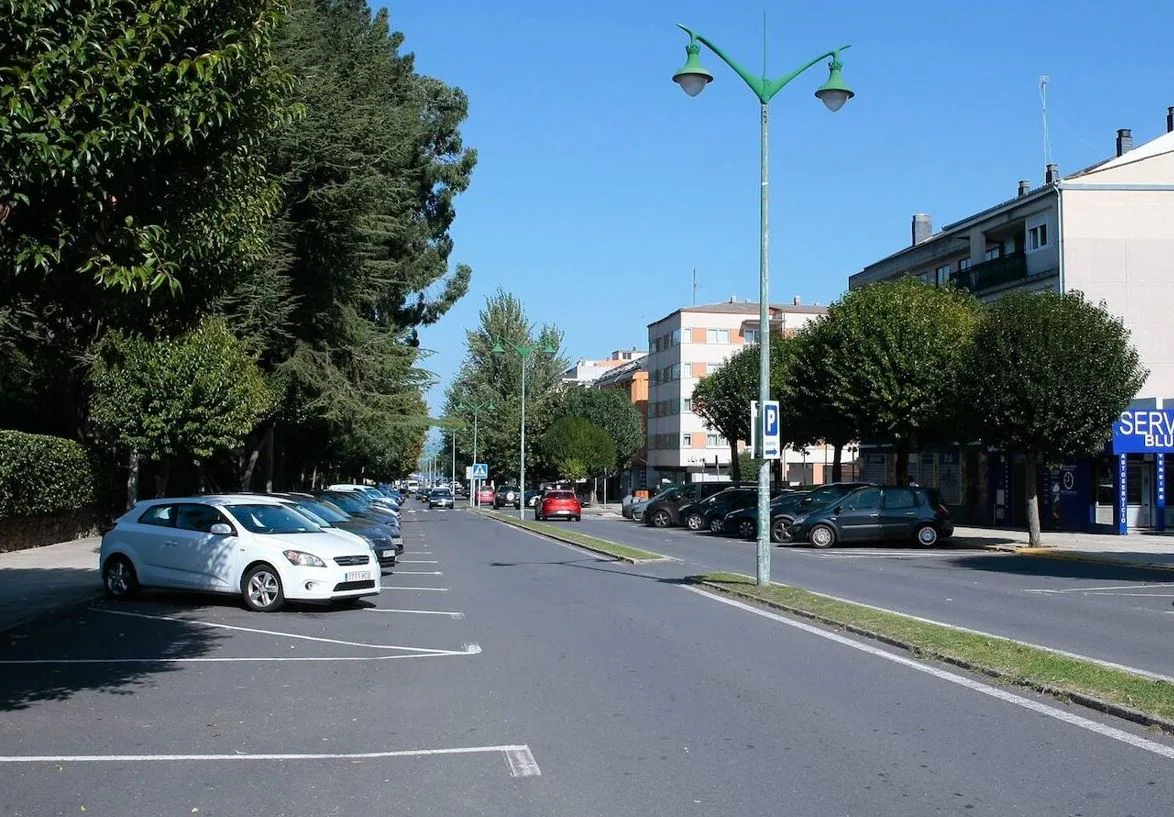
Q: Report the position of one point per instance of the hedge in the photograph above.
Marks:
(43, 475)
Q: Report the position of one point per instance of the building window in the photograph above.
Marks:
(710, 368)
(942, 275)
(1037, 235)
(687, 405)
(964, 264)
(714, 441)
(717, 336)
(994, 252)
(750, 336)
(687, 440)
(676, 371)
(676, 337)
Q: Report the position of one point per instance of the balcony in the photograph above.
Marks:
(991, 274)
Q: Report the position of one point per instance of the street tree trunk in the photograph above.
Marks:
(902, 462)
(837, 462)
(735, 463)
(270, 456)
(161, 476)
(1032, 492)
(132, 479)
(252, 454)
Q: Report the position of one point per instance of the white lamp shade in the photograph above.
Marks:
(693, 84)
(834, 99)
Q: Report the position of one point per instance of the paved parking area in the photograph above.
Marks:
(178, 704)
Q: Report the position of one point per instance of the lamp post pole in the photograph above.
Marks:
(693, 78)
(474, 408)
(524, 351)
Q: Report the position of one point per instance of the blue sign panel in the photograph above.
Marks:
(1144, 431)
(480, 470)
(771, 439)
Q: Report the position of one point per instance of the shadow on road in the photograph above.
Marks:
(1043, 566)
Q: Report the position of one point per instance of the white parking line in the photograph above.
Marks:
(437, 589)
(449, 613)
(319, 639)
(519, 757)
(1112, 732)
(417, 562)
(468, 649)
(1098, 588)
(417, 573)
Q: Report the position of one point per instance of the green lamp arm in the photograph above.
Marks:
(777, 85)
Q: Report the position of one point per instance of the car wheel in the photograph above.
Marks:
(578, 519)
(927, 536)
(715, 526)
(694, 521)
(661, 519)
(778, 531)
(821, 536)
(119, 578)
(748, 528)
(262, 589)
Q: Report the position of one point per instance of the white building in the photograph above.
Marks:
(684, 347)
(585, 372)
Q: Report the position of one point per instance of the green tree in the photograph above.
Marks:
(1049, 374)
(809, 413)
(578, 448)
(196, 395)
(894, 357)
(612, 411)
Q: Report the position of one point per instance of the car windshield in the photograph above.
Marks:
(308, 512)
(442, 492)
(271, 519)
(327, 511)
(349, 504)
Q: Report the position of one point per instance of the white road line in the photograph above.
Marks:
(417, 573)
(437, 589)
(520, 758)
(1132, 595)
(417, 562)
(1169, 585)
(319, 639)
(1112, 732)
(469, 649)
(449, 613)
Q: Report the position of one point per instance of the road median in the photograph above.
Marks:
(1117, 692)
(561, 533)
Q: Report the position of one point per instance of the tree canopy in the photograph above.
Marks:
(578, 448)
(611, 411)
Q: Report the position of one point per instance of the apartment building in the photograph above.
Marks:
(1103, 231)
(684, 347)
(631, 378)
(585, 372)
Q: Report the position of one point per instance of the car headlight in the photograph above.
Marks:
(303, 559)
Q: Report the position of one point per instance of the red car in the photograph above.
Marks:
(484, 496)
(559, 505)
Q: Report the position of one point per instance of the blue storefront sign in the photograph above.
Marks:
(1144, 431)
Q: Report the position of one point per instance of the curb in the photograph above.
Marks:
(568, 541)
(39, 619)
(1089, 701)
(1077, 556)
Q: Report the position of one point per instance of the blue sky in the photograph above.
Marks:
(600, 185)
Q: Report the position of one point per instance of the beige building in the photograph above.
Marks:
(1106, 231)
(684, 347)
(586, 372)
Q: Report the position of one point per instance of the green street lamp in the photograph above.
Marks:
(693, 77)
(474, 408)
(524, 351)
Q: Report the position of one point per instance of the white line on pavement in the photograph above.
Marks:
(1168, 585)
(449, 613)
(417, 562)
(437, 589)
(319, 639)
(417, 573)
(520, 758)
(1112, 732)
(469, 649)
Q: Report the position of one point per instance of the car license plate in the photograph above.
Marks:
(397, 540)
(387, 554)
(358, 577)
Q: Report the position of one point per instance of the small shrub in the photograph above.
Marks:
(43, 475)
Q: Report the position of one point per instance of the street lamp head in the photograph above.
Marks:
(834, 93)
(549, 349)
(693, 77)
(498, 349)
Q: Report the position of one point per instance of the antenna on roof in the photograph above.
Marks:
(1044, 81)
(696, 286)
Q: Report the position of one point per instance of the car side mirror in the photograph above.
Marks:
(221, 529)
(838, 509)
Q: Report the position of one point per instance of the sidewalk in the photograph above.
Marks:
(608, 511)
(1136, 550)
(46, 581)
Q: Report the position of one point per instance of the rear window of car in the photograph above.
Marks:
(560, 494)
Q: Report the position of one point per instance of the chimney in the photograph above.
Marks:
(1124, 141)
(922, 227)
(1170, 119)
(796, 301)
(1051, 174)
(1024, 187)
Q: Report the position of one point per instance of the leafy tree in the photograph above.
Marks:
(196, 395)
(809, 414)
(613, 412)
(578, 448)
(1049, 374)
(894, 356)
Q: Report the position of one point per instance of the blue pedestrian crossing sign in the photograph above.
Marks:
(772, 448)
(480, 470)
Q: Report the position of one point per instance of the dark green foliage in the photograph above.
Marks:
(43, 475)
(577, 448)
(611, 411)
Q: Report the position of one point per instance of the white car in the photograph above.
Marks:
(368, 493)
(254, 546)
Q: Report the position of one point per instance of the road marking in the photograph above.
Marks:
(1133, 595)
(418, 562)
(437, 589)
(468, 649)
(319, 639)
(1112, 732)
(519, 757)
(1098, 588)
(417, 573)
(449, 613)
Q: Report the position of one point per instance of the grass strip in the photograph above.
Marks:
(583, 540)
(1121, 693)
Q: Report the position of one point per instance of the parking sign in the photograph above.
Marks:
(772, 448)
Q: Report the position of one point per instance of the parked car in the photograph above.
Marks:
(484, 496)
(743, 522)
(507, 495)
(253, 546)
(358, 505)
(531, 498)
(662, 512)
(697, 515)
(440, 498)
(786, 511)
(559, 504)
(877, 513)
(385, 540)
(368, 493)
(321, 521)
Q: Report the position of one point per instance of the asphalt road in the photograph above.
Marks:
(557, 684)
(1117, 614)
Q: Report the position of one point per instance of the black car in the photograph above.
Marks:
(663, 511)
(440, 498)
(743, 521)
(788, 509)
(507, 495)
(697, 515)
(356, 505)
(380, 539)
(877, 513)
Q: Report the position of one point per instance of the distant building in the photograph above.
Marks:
(632, 379)
(585, 372)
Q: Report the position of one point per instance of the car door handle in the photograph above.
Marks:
(170, 543)
(874, 515)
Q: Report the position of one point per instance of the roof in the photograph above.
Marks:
(1154, 147)
(744, 308)
(619, 373)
